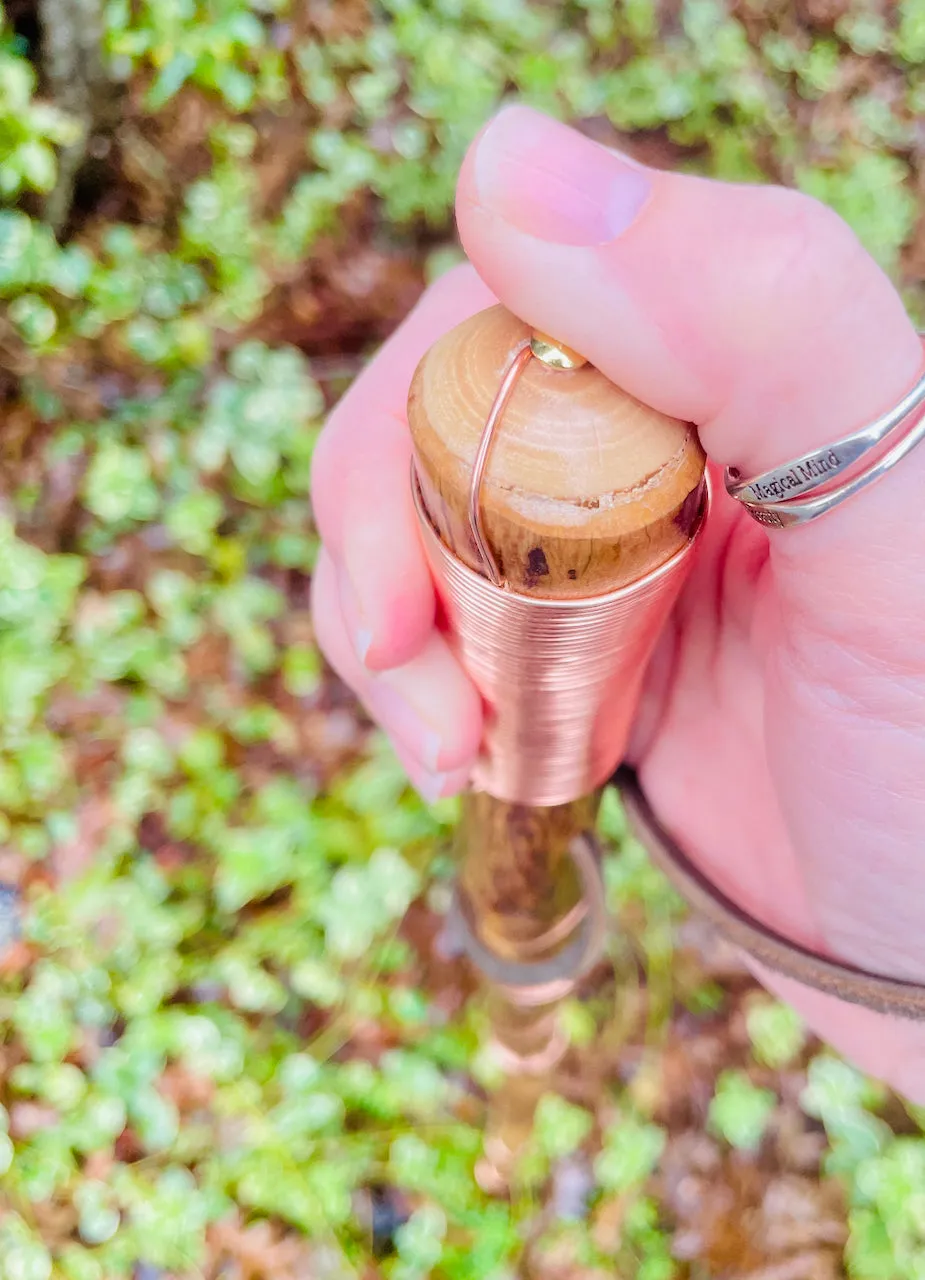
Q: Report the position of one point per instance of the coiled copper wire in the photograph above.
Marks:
(560, 679)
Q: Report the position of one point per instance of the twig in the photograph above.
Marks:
(72, 54)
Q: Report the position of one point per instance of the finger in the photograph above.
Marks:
(752, 311)
(428, 707)
(755, 312)
(431, 787)
(361, 491)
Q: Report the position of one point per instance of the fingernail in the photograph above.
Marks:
(437, 786)
(360, 634)
(362, 639)
(552, 183)
(430, 786)
(400, 718)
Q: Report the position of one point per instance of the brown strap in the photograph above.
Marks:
(885, 995)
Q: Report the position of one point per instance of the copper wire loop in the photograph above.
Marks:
(531, 1064)
(520, 358)
(559, 678)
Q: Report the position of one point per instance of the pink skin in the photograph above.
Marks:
(782, 731)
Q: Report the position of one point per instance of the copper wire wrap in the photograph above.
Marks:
(560, 678)
(520, 358)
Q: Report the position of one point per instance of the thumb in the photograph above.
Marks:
(752, 311)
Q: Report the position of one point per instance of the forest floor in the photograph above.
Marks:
(230, 1046)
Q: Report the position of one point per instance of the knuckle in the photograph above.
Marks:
(812, 257)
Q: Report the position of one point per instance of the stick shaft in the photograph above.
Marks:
(585, 491)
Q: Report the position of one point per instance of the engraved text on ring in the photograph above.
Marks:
(796, 477)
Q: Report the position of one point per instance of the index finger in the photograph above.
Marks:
(361, 493)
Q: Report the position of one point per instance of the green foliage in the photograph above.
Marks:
(882, 1173)
(420, 1243)
(22, 1254)
(219, 1024)
(910, 34)
(221, 46)
(648, 1243)
(360, 904)
(776, 1032)
(255, 415)
(119, 485)
(30, 130)
(630, 1152)
(873, 195)
(739, 1111)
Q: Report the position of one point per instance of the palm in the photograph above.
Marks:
(703, 752)
(702, 745)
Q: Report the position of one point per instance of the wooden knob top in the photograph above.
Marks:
(585, 488)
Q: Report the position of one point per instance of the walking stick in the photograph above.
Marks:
(558, 515)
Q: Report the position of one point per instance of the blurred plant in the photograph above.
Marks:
(222, 45)
(776, 1032)
(630, 1152)
(30, 130)
(739, 1111)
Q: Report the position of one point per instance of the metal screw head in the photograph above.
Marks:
(555, 355)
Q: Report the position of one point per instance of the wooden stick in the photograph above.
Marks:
(585, 491)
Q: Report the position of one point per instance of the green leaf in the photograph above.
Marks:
(362, 901)
(739, 1111)
(22, 1255)
(99, 1219)
(119, 484)
(35, 320)
(632, 1148)
(36, 161)
(560, 1127)
(170, 80)
(776, 1032)
(420, 1240)
(835, 1089)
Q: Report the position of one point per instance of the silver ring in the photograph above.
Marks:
(782, 515)
(777, 497)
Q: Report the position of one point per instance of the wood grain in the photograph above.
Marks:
(586, 489)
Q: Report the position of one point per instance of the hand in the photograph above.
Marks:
(781, 736)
